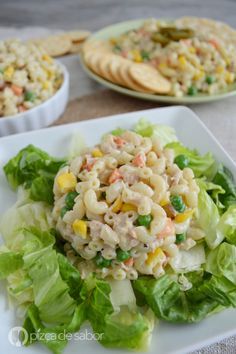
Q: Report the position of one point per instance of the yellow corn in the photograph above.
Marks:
(162, 65)
(157, 255)
(47, 58)
(182, 60)
(128, 207)
(220, 69)
(8, 73)
(66, 182)
(199, 75)
(183, 216)
(117, 205)
(80, 228)
(97, 153)
(164, 202)
(113, 41)
(136, 56)
(46, 85)
(192, 50)
(229, 77)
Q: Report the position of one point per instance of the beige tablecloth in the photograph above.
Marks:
(219, 117)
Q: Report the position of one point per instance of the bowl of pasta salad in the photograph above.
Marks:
(33, 87)
(134, 228)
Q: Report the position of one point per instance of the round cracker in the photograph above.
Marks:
(92, 60)
(113, 68)
(149, 78)
(56, 45)
(128, 81)
(78, 36)
(104, 66)
(75, 48)
(95, 45)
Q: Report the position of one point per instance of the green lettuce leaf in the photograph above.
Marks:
(35, 169)
(208, 217)
(225, 179)
(226, 227)
(201, 165)
(215, 191)
(221, 262)
(54, 338)
(170, 303)
(126, 328)
(165, 133)
(9, 263)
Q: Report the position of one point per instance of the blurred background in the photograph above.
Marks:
(94, 14)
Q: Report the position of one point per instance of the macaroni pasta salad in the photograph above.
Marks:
(28, 77)
(196, 55)
(126, 207)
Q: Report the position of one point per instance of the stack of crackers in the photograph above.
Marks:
(63, 43)
(139, 77)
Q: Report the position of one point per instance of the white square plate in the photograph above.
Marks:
(167, 338)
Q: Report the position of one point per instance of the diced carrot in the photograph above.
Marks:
(214, 43)
(129, 262)
(119, 141)
(139, 160)
(21, 108)
(114, 176)
(168, 230)
(17, 90)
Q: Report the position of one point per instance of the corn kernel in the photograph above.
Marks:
(137, 56)
(80, 228)
(117, 205)
(113, 41)
(182, 60)
(183, 216)
(8, 73)
(164, 202)
(47, 58)
(220, 69)
(128, 207)
(66, 182)
(157, 255)
(192, 50)
(46, 85)
(97, 153)
(199, 75)
(229, 77)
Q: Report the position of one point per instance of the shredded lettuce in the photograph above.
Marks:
(190, 260)
(35, 170)
(226, 227)
(208, 217)
(165, 133)
(225, 179)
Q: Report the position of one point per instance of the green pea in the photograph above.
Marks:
(144, 220)
(30, 96)
(101, 262)
(122, 255)
(181, 161)
(177, 203)
(192, 91)
(145, 55)
(70, 199)
(117, 48)
(63, 211)
(180, 238)
(210, 80)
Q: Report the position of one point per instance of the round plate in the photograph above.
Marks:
(118, 29)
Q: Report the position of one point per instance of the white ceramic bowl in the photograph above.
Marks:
(40, 116)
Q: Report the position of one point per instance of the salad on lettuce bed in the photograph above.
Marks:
(54, 292)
